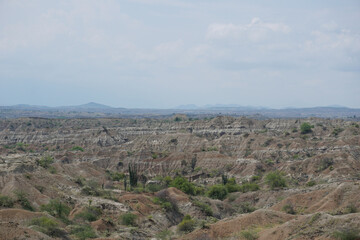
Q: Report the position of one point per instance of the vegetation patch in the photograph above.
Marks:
(6, 201)
(275, 180)
(187, 224)
(205, 208)
(128, 219)
(217, 192)
(45, 161)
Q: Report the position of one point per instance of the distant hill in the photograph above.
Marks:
(90, 105)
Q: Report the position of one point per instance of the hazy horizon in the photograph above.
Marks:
(162, 54)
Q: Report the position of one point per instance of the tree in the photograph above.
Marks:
(133, 174)
(218, 192)
(193, 162)
(275, 180)
(306, 128)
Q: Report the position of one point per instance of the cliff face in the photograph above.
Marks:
(200, 150)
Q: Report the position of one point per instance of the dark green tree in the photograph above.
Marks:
(133, 174)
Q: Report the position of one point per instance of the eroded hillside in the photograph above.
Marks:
(220, 178)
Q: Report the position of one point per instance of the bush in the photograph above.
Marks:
(305, 128)
(166, 201)
(6, 201)
(205, 208)
(336, 131)
(128, 219)
(45, 161)
(154, 187)
(311, 183)
(351, 208)
(249, 187)
(217, 192)
(275, 180)
(48, 226)
(288, 208)
(187, 224)
(116, 176)
(347, 234)
(56, 208)
(83, 232)
(22, 199)
(77, 148)
(246, 208)
(249, 235)
(184, 185)
(89, 214)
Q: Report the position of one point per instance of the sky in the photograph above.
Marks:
(166, 53)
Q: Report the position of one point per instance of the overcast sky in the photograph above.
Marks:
(165, 53)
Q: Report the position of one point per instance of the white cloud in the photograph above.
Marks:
(254, 31)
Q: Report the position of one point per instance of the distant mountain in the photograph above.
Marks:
(187, 106)
(90, 105)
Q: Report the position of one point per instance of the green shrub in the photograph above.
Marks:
(232, 187)
(288, 208)
(255, 178)
(83, 232)
(249, 235)
(77, 148)
(305, 128)
(45, 161)
(164, 235)
(164, 203)
(47, 225)
(347, 234)
(56, 208)
(128, 219)
(205, 208)
(6, 201)
(275, 180)
(52, 170)
(184, 185)
(246, 208)
(336, 131)
(311, 183)
(351, 208)
(217, 192)
(89, 214)
(22, 199)
(115, 176)
(187, 224)
(249, 187)
(154, 187)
